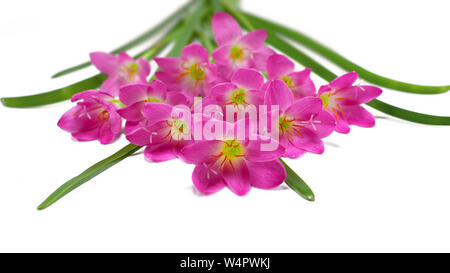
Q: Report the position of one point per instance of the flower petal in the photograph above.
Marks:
(303, 86)
(160, 153)
(225, 28)
(132, 112)
(132, 93)
(169, 64)
(357, 115)
(222, 56)
(195, 51)
(207, 181)
(367, 93)
(248, 79)
(344, 81)
(279, 65)
(201, 152)
(255, 39)
(237, 177)
(155, 112)
(278, 93)
(105, 62)
(87, 135)
(266, 175)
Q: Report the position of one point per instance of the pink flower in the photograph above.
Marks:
(302, 123)
(244, 89)
(121, 70)
(162, 132)
(279, 67)
(94, 117)
(342, 99)
(238, 164)
(135, 96)
(236, 50)
(192, 73)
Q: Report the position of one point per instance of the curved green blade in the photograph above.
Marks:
(54, 96)
(135, 42)
(344, 63)
(297, 184)
(88, 174)
(326, 74)
(67, 92)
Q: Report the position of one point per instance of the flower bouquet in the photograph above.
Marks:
(227, 101)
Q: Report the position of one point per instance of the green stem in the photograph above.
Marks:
(67, 92)
(137, 41)
(297, 184)
(187, 30)
(327, 75)
(88, 174)
(342, 62)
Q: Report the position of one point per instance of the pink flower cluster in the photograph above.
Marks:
(170, 116)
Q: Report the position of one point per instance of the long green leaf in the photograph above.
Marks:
(88, 174)
(54, 96)
(188, 29)
(326, 74)
(67, 92)
(135, 42)
(344, 63)
(297, 184)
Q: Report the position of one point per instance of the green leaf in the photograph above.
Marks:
(188, 29)
(297, 184)
(343, 62)
(67, 92)
(88, 174)
(135, 42)
(326, 74)
(54, 96)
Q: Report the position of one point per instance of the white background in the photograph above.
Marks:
(382, 189)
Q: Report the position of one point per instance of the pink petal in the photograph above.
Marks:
(357, 115)
(157, 90)
(123, 57)
(201, 152)
(132, 112)
(76, 120)
(222, 92)
(279, 65)
(177, 98)
(266, 175)
(87, 135)
(106, 134)
(278, 93)
(155, 112)
(225, 28)
(304, 108)
(254, 151)
(139, 137)
(237, 177)
(206, 181)
(260, 58)
(195, 51)
(130, 126)
(308, 141)
(255, 39)
(248, 79)
(105, 62)
(222, 55)
(303, 85)
(344, 81)
(293, 152)
(342, 126)
(323, 124)
(169, 64)
(132, 93)
(160, 153)
(367, 93)
(144, 68)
